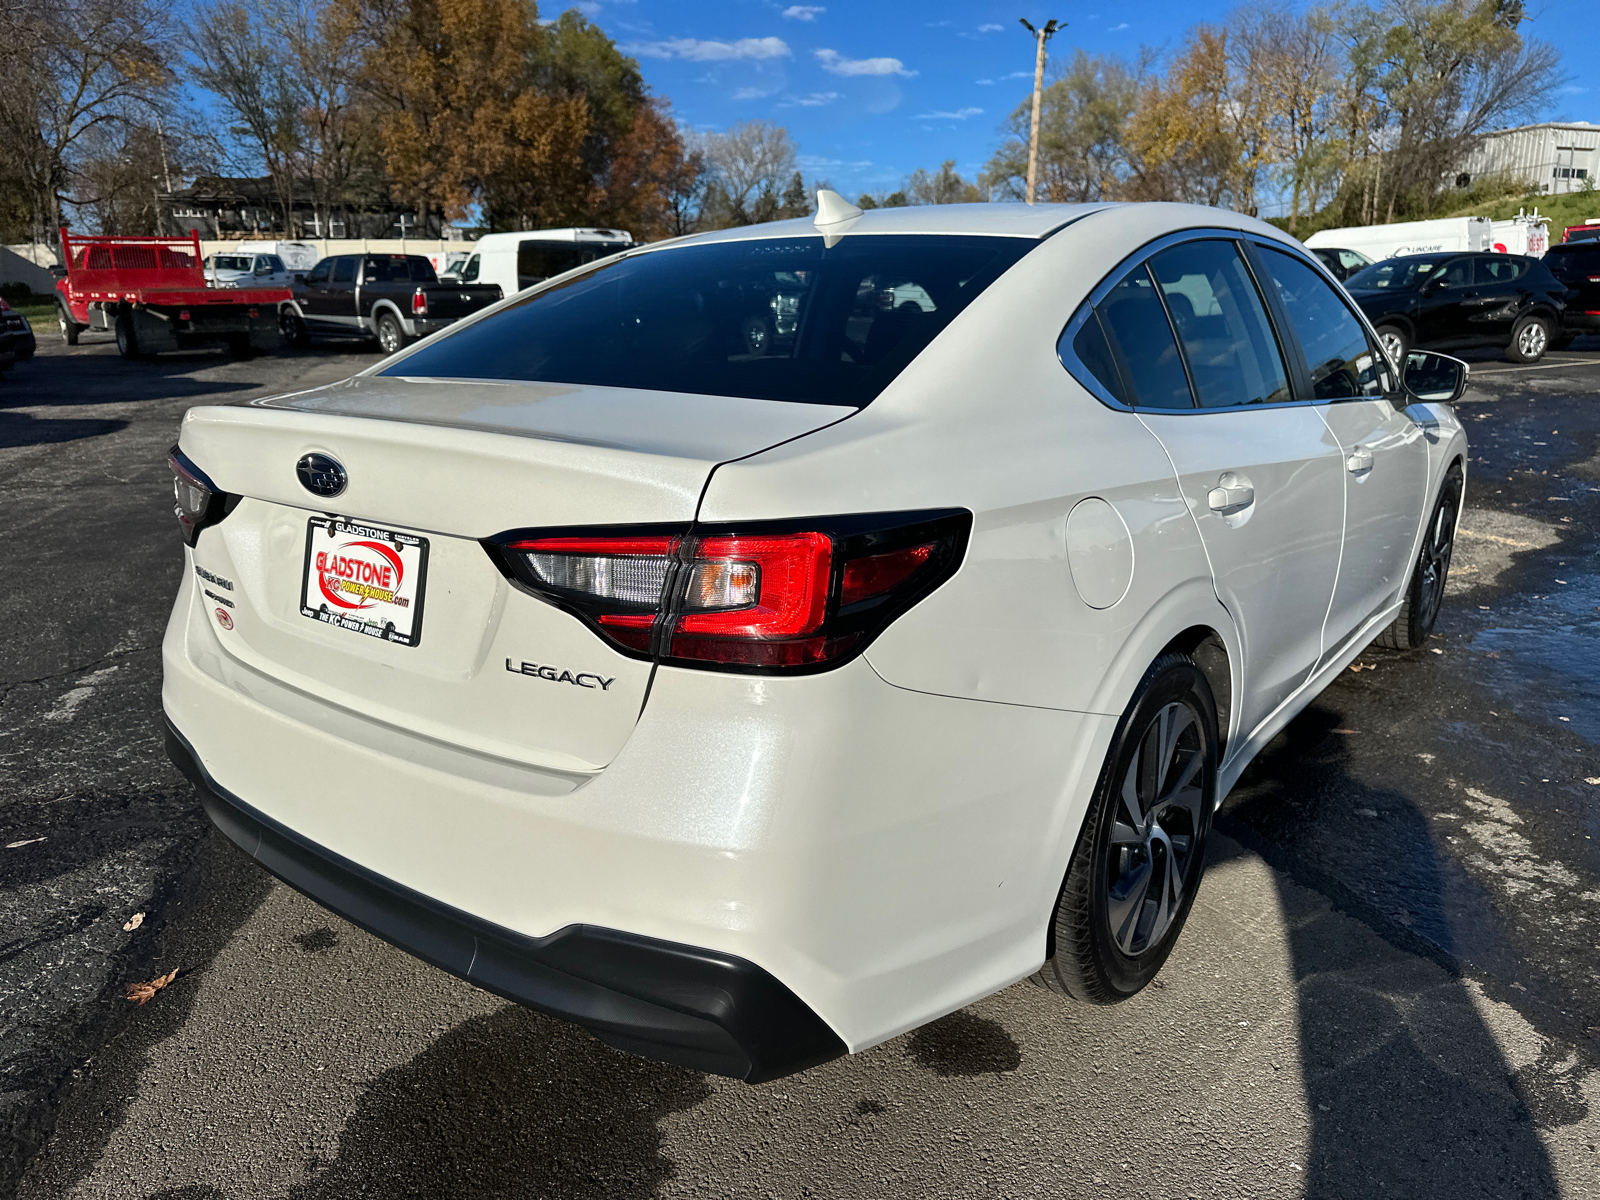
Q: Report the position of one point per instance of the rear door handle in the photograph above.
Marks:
(1230, 495)
(1360, 460)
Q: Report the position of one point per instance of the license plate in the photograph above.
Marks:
(364, 579)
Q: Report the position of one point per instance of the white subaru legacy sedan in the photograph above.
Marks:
(755, 646)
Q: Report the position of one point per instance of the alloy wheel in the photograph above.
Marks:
(1154, 835)
(388, 337)
(1532, 340)
(1394, 346)
(1437, 548)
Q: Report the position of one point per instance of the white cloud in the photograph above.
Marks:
(589, 8)
(985, 82)
(753, 93)
(836, 64)
(1118, 28)
(812, 100)
(1019, 75)
(803, 12)
(990, 28)
(815, 162)
(694, 50)
(960, 114)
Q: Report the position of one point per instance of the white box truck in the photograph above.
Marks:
(297, 256)
(1378, 242)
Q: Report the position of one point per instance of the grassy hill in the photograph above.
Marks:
(1571, 209)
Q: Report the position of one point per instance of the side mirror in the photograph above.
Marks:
(1436, 378)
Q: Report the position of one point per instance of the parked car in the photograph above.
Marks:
(1341, 264)
(17, 342)
(151, 292)
(520, 260)
(1588, 231)
(393, 298)
(1577, 265)
(247, 270)
(1455, 301)
(750, 710)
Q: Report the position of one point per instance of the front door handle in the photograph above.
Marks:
(1231, 494)
(1360, 460)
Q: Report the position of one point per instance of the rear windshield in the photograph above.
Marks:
(778, 319)
(1395, 273)
(397, 268)
(1585, 255)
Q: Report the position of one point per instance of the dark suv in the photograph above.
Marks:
(1577, 264)
(1455, 301)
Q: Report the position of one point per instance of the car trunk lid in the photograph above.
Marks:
(488, 668)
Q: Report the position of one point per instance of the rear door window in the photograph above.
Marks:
(1496, 269)
(1222, 324)
(344, 269)
(1342, 362)
(770, 318)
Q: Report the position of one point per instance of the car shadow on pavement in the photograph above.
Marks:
(75, 379)
(1408, 1091)
(512, 1103)
(20, 429)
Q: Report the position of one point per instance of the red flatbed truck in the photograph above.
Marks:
(151, 292)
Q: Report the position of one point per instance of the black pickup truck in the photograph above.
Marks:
(395, 298)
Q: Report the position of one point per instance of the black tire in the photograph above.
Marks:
(391, 337)
(1425, 589)
(1530, 338)
(1396, 343)
(70, 329)
(127, 341)
(1109, 937)
(293, 328)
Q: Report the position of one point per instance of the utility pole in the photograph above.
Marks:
(1040, 37)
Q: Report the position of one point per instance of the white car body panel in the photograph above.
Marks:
(887, 837)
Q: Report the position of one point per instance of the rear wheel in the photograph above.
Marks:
(391, 338)
(1141, 853)
(1530, 338)
(1396, 344)
(757, 336)
(1425, 590)
(70, 329)
(127, 342)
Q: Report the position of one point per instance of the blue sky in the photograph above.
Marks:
(872, 90)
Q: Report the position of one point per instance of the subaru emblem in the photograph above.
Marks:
(321, 475)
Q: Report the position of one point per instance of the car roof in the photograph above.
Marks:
(1003, 220)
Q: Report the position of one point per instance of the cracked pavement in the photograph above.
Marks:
(1389, 984)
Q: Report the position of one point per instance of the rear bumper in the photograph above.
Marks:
(679, 1004)
(1580, 322)
(423, 326)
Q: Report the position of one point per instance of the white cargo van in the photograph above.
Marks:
(520, 260)
(297, 256)
(1524, 233)
(1378, 242)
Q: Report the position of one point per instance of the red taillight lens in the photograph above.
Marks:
(196, 500)
(760, 598)
(419, 303)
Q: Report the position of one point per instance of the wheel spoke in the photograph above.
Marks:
(1128, 826)
(1124, 912)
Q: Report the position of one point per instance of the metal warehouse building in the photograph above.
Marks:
(1554, 157)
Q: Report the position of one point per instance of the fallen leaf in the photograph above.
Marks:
(1435, 650)
(1363, 666)
(1594, 779)
(133, 923)
(140, 992)
(25, 842)
(1347, 731)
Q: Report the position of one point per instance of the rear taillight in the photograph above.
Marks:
(419, 303)
(197, 502)
(763, 597)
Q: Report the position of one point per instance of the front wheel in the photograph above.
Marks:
(1529, 340)
(1395, 344)
(391, 338)
(293, 328)
(1141, 853)
(1425, 589)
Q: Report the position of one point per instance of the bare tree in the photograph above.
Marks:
(751, 160)
(1082, 124)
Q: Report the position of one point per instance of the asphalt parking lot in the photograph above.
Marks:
(1390, 984)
